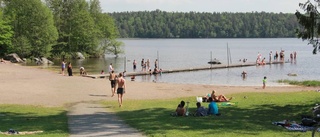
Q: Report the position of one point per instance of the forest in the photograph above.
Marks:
(56, 28)
(162, 24)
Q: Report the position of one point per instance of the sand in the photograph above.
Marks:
(36, 86)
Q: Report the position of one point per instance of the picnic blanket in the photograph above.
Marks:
(293, 126)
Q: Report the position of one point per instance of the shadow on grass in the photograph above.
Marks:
(253, 121)
(20, 121)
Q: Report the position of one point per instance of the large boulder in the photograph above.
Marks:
(80, 56)
(42, 60)
(14, 58)
(46, 61)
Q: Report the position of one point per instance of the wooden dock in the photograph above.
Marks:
(219, 66)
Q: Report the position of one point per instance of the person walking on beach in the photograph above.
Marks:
(264, 81)
(112, 78)
(69, 69)
(121, 82)
(63, 67)
(110, 68)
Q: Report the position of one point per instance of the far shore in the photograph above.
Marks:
(35, 86)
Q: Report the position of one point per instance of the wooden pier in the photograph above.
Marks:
(218, 66)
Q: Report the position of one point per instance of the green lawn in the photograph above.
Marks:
(252, 116)
(53, 121)
(308, 83)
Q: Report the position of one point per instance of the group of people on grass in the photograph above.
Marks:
(212, 98)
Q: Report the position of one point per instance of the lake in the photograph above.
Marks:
(191, 53)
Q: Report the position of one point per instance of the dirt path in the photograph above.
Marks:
(34, 86)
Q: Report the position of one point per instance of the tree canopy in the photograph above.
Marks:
(54, 28)
(310, 23)
(162, 24)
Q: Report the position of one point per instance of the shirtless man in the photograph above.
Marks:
(112, 78)
(121, 82)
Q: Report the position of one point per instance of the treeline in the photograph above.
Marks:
(55, 28)
(161, 24)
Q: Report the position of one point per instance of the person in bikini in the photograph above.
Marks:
(121, 82)
(219, 98)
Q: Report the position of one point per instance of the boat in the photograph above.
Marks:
(214, 61)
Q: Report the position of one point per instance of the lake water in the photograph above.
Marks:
(192, 53)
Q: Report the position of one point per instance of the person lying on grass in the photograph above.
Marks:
(219, 98)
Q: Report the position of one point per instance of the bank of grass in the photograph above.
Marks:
(52, 121)
(252, 116)
(309, 83)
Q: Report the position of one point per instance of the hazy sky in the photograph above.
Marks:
(285, 6)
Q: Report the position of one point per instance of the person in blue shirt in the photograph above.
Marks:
(213, 108)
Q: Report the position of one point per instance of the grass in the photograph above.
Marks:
(252, 116)
(53, 120)
(309, 83)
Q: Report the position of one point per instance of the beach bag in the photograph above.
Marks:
(199, 99)
(308, 122)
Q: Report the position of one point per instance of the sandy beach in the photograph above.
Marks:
(36, 86)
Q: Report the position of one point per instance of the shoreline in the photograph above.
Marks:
(36, 86)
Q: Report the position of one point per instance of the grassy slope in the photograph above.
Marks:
(53, 121)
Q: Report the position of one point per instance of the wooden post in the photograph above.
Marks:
(228, 54)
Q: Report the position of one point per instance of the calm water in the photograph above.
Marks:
(189, 53)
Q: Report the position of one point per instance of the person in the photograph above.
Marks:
(213, 108)
(2, 61)
(121, 82)
(69, 69)
(148, 64)
(124, 74)
(206, 97)
(219, 98)
(142, 64)
(244, 74)
(264, 81)
(270, 57)
(112, 78)
(134, 64)
(102, 72)
(82, 71)
(181, 111)
(133, 78)
(276, 56)
(63, 67)
(200, 111)
(156, 63)
(110, 68)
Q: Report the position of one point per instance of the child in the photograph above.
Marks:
(264, 81)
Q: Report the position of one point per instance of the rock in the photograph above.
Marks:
(14, 58)
(292, 74)
(79, 56)
(46, 61)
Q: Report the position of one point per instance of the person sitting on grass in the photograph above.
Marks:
(213, 108)
(219, 98)
(200, 111)
(181, 111)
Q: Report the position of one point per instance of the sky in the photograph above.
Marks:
(276, 6)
